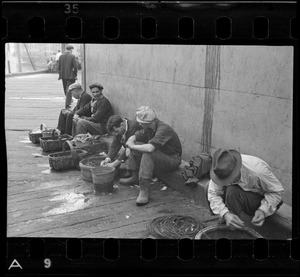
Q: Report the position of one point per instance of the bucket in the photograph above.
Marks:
(103, 178)
(89, 163)
(218, 232)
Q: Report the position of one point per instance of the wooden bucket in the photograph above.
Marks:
(89, 163)
(103, 178)
(218, 232)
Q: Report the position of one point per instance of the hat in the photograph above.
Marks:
(69, 46)
(74, 86)
(144, 114)
(226, 166)
(97, 85)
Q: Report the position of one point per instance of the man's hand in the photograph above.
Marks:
(127, 152)
(75, 117)
(233, 221)
(129, 143)
(105, 162)
(259, 218)
(114, 164)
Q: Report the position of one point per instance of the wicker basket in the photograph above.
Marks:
(66, 159)
(53, 143)
(94, 146)
(34, 136)
(219, 231)
(47, 133)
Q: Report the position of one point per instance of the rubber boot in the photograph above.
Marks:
(143, 197)
(134, 179)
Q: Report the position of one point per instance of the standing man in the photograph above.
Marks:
(65, 119)
(155, 147)
(242, 183)
(58, 54)
(67, 68)
(93, 117)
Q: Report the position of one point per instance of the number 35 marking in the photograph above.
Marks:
(71, 8)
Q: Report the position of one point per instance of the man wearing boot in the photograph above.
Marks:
(121, 129)
(242, 183)
(155, 147)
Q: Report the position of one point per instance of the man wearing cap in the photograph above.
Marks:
(67, 68)
(65, 120)
(242, 183)
(93, 117)
(155, 147)
(121, 129)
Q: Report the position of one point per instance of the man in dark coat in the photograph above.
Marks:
(67, 68)
(93, 117)
(65, 120)
(121, 129)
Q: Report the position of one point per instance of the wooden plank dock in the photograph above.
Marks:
(45, 203)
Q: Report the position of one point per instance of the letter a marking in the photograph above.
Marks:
(15, 264)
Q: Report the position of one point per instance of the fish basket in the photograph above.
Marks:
(46, 132)
(66, 159)
(34, 136)
(53, 143)
(218, 232)
(103, 178)
(90, 163)
(93, 146)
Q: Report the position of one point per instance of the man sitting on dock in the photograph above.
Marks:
(65, 119)
(93, 117)
(155, 147)
(242, 183)
(121, 129)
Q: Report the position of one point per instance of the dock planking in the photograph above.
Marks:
(44, 203)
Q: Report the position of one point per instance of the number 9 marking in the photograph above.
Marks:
(47, 263)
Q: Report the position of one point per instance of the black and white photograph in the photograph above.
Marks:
(158, 141)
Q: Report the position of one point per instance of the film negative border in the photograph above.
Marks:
(150, 22)
(146, 22)
(52, 256)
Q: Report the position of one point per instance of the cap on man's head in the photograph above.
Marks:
(96, 85)
(74, 86)
(69, 46)
(145, 114)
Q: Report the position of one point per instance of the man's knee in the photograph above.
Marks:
(232, 194)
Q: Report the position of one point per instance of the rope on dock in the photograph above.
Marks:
(174, 227)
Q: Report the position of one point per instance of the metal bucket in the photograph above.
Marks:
(103, 178)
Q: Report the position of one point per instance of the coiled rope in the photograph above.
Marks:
(174, 227)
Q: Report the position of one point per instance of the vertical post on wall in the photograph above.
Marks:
(30, 58)
(19, 57)
(83, 66)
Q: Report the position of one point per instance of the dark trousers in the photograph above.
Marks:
(65, 121)
(237, 200)
(149, 164)
(83, 126)
(66, 83)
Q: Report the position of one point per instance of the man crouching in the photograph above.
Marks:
(155, 147)
(242, 183)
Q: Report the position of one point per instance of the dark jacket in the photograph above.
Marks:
(84, 99)
(100, 113)
(67, 66)
(118, 140)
